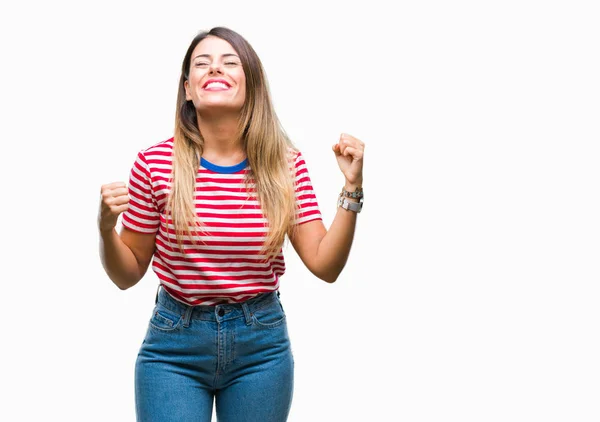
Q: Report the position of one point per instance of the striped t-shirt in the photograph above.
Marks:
(224, 264)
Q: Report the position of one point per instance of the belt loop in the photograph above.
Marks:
(187, 316)
(247, 313)
(157, 290)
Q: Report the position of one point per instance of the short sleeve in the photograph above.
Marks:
(142, 215)
(306, 200)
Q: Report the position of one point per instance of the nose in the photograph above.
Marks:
(215, 68)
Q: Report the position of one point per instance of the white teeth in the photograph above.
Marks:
(216, 85)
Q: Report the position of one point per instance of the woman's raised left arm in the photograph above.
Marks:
(325, 252)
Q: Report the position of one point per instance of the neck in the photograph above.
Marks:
(221, 145)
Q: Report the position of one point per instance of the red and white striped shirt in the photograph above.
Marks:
(225, 265)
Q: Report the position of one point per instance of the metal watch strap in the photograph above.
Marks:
(357, 194)
(350, 205)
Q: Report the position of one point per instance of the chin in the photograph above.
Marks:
(219, 106)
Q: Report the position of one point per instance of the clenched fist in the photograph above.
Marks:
(114, 201)
(350, 152)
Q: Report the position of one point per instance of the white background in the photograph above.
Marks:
(471, 292)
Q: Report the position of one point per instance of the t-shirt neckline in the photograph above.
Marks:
(223, 169)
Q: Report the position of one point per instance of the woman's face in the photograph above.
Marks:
(216, 78)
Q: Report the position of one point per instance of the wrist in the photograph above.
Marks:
(351, 199)
(352, 186)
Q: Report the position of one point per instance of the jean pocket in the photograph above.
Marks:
(164, 320)
(269, 316)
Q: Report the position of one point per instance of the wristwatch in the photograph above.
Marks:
(350, 205)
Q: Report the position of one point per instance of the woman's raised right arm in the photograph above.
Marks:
(125, 257)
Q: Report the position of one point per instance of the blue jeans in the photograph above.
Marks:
(237, 354)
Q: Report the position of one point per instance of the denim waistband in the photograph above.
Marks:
(216, 312)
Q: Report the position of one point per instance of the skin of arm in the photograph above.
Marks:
(126, 257)
(325, 252)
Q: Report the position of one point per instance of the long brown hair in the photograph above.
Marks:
(264, 140)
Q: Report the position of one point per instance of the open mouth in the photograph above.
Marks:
(216, 85)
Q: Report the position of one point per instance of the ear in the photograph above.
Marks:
(186, 85)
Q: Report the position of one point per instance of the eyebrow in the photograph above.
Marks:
(208, 56)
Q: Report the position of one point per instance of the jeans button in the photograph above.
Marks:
(221, 312)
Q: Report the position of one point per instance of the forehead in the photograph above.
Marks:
(214, 46)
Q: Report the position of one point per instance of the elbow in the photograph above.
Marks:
(328, 273)
(126, 279)
(330, 277)
(124, 284)
(122, 287)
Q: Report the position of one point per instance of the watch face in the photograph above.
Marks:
(350, 205)
(353, 206)
(357, 206)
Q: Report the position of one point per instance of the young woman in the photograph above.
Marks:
(210, 208)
